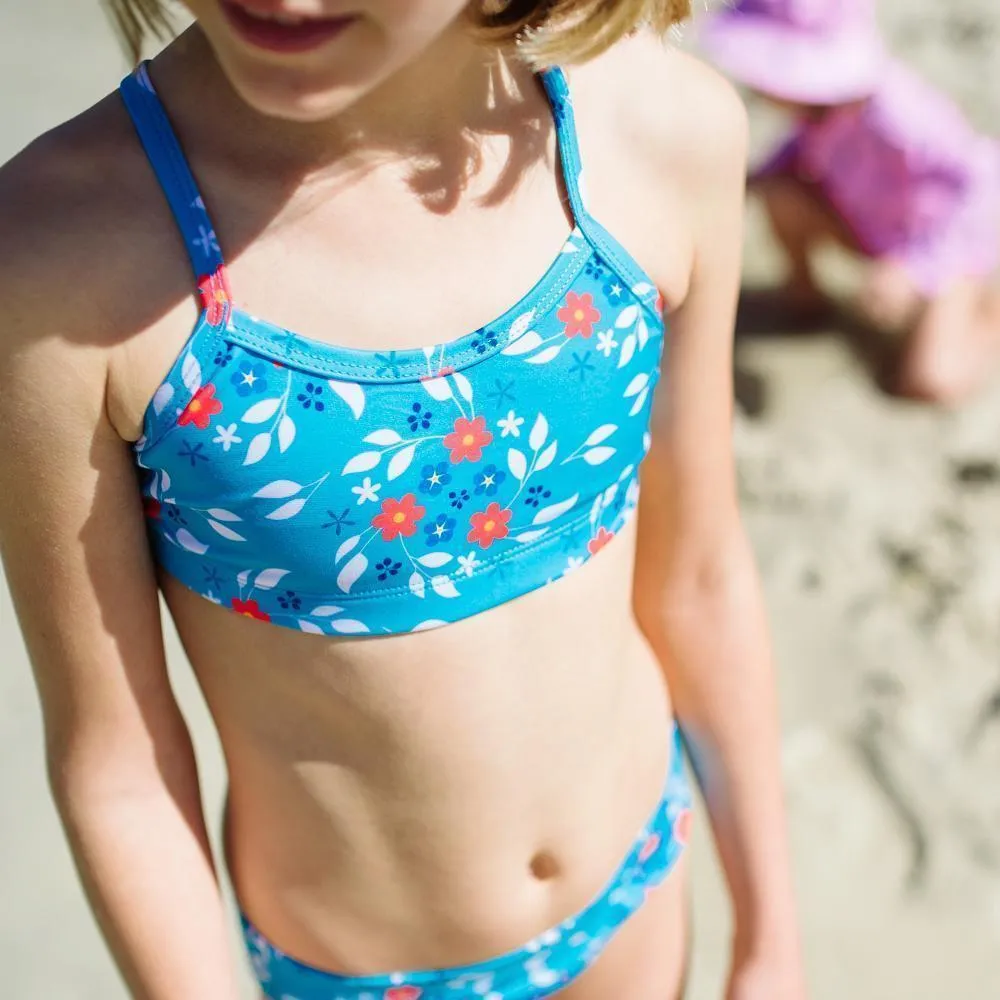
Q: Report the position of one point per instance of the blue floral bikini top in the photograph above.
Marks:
(353, 492)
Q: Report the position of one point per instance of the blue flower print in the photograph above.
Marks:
(419, 418)
(290, 601)
(594, 269)
(536, 494)
(338, 521)
(193, 452)
(174, 513)
(249, 378)
(212, 577)
(224, 355)
(440, 530)
(311, 397)
(458, 498)
(485, 340)
(489, 480)
(501, 393)
(614, 290)
(582, 365)
(434, 478)
(387, 567)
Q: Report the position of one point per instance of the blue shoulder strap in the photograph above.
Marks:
(557, 88)
(172, 171)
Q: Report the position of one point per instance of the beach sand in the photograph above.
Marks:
(876, 524)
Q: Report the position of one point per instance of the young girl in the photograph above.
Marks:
(885, 165)
(390, 487)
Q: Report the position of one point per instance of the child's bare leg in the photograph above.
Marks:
(954, 347)
(800, 223)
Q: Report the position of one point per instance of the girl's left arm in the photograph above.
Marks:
(697, 595)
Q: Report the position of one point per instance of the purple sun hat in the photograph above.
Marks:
(806, 51)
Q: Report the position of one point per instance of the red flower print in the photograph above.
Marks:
(489, 525)
(599, 540)
(398, 517)
(214, 290)
(468, 439)
(250, 610)
(201, 409)
(579, 314)
(652, 843)
(151, 508)
(403, 993)
(682, 826)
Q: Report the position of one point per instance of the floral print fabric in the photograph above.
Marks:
(349, 492)
(544, 966)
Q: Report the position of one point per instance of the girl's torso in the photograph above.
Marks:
(440, 797)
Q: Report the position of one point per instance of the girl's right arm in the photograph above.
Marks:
(120, 760)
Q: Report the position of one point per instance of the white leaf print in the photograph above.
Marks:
(349, 574)
(243, 577)
(518, 463)
(233, 536)
(609, 494)
(601, 434)
(464, 386)
(191, 373)
(310, 627)
(530, 536)
(164, 480)
(349, 626)
(547, 457)
(278, 490)
(348, 546)
(267, 578)
(539, 432)
(640, 401)
(636, 385)
(286, 433)
(429, 351)
(189, 542)
(163, 396)
(287, 510)
(223, 515)
(434, 560)
(362, 463)
(626, 472)
(350, 393)
(325, 611)
(524, 343)
(627, 317)
(643, 288)
(443, 586)
(555, 510)
(383, 437)
(643, 332)
(259, 447)
(417, 587)
(595, 456)
(401, 461)
(261, 411)
(437, 387)
(520, 324)
(544, 357)
(628, 350)
(430, 623)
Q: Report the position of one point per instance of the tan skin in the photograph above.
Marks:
(394, 802)
(952, 341)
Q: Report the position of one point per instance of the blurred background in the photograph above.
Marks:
(877, 527)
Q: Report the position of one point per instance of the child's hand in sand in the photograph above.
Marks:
(889, 297)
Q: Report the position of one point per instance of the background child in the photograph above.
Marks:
(885, 165)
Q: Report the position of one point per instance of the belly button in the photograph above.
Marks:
(544, 866)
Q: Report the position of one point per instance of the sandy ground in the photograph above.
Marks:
(876, 525)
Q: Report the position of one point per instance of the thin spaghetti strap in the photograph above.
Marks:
(180, 189)
(557, 88)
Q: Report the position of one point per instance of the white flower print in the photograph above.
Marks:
(226, 437)
(468, 563)
(511, 424)
(574, 562)
(367, 491)
(209, 596)
(606, 342)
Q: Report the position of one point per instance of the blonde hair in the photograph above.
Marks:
(546, 32)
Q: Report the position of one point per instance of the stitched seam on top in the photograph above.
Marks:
(466, 357)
